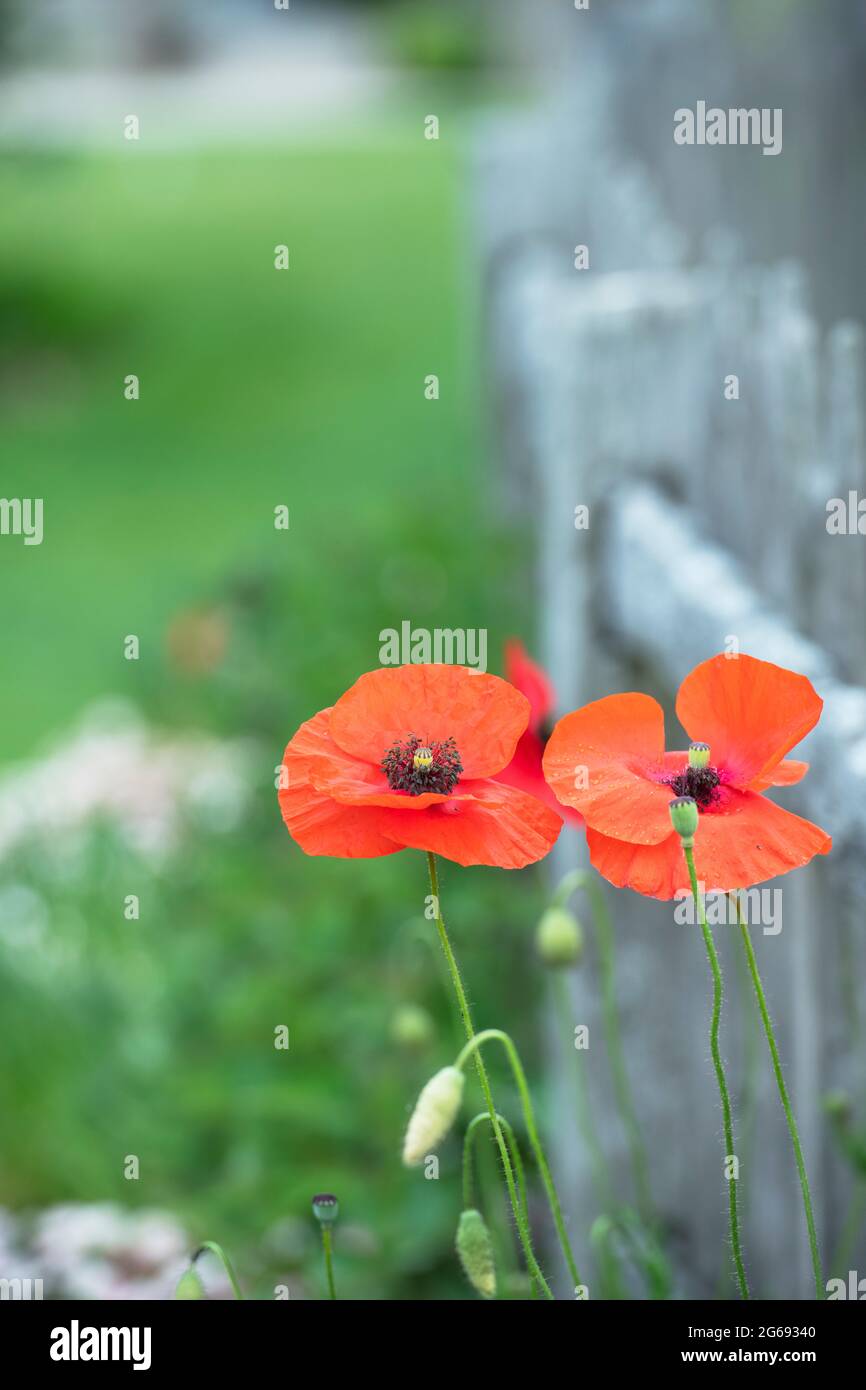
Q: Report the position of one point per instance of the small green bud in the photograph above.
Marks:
(838, 1105)
(189, 1285)
(475, 1249)
(684, 818)
(412, 1027)
(326, 1208)
(434, 1114)
(559, 938)
(699, 755)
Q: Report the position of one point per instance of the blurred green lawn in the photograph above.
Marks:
(257, 388)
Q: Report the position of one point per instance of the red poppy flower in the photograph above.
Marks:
(609, 761)
(525, 770)
(406, 759)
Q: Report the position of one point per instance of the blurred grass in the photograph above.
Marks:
(257, 388)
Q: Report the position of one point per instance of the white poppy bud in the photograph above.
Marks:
(434, 1114)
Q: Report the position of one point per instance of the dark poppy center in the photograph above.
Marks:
(700, 783)
(418, 765)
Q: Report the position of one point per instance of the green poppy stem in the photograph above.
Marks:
(224, 1260)
(720, 1071)
(785, 1099)
(465, 1013)
(496, 1035)
(328, 1248)
(604, 936)
(517, 1162)
(855, 1216)
(583, 1108)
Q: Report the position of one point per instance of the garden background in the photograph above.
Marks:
(155, 777)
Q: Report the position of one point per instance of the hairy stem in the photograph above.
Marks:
(496, 1035)
(463, 1004)
(733, 1216)
(786, 1102)
(224, 1260)
(583, 1108)
(581, 878)
(517, 1162)
(327, 1247)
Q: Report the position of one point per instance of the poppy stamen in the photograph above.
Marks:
(420, 765)
(698, 779)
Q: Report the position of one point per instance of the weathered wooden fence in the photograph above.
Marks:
(707, 522)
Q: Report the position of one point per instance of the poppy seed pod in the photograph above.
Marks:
(684, 818)
(434, 1114)
(559, 938)
(699, 754)
(475, 1251)
(326, 1208)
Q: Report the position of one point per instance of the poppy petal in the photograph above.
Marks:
(482, 713)
(656, 871)
(750, 712)
(531, 679)
(784, 774)
(751, 841)
(616, 746)
(319, 824)
(494, 825)
(350, 780)
(524, 772)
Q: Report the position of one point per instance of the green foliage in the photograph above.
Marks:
(446, 35)
(156, 1037)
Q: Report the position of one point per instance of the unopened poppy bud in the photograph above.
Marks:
(189, 1285)
(559, 938)
(475, 1249)
(326, 1208)
(411, 1026)
(838, 1105)
(684, 818)
(434, 1114)
(699, 755)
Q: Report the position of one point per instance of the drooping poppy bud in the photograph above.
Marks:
(189, 1285)
(434, 1114)
(559, 938)
(475, 1250)
(684, 818)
